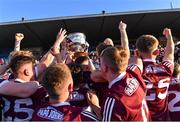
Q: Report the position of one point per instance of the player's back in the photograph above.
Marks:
(157, 79)
(174, 99)
(21, 109)
(127, 96)
(62, 112)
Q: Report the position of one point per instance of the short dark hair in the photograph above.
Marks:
(18, 61)
(115, 58)
(146, 43)
(77, 73)
(55, 77)
(81, 59)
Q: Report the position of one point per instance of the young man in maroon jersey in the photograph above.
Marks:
(125, 99)
(156, 76)
(16, 108)
(58, 82)
(174, 94)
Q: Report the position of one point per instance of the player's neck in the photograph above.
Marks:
(60, 98)
(55, 101)
(112, 76)
(148, 56)
(24, 78)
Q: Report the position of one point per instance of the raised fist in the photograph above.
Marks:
(19, 36)
(122, 26)
(167, 32)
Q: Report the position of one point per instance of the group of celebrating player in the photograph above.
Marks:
(66, 86)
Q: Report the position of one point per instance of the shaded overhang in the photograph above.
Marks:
(42, 32)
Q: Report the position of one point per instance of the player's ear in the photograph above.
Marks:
(136, 53)
(26, 72)
(70, 87)
(156, 52)
(104, 68)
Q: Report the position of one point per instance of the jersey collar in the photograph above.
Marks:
(19, 80)
(60, 104)
(149, 60)
(118, 78)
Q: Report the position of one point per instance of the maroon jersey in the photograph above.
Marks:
(174, 99)
(62, 112)
(157, 79)
(78, 97)
(125, 100)
(21, 109)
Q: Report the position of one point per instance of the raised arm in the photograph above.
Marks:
(18, 89)
(137, 61)
(55, 49)
(93, 101)
(97, 76)
(169, 49)
(44, 63)
(124, 37)
(18, 38)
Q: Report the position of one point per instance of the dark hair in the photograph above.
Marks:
(77, 73)
(18, 61)
(81, 59)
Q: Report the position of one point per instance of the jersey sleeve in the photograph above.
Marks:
(112, 110)
(168, 66)
(2, 82)
(40, 94)
(133, 68)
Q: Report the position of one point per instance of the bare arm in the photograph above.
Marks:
(44, 63)
(169, 49)
(97, 76)
(124, 37)
(18, 89)
(55, 49)
(137, 61)
(93, 101)
(91, 65)
(18, 38)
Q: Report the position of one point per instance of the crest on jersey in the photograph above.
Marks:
(131, 87)
(50, 113)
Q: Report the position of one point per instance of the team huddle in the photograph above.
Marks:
(67, 85)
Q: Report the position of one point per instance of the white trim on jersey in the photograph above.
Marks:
(60, 104)
(169, 61)
(90, 115)
(108, 107)
(134, 66)
(20, 80)
(118, 78)
(168, 64)
(149, 60)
